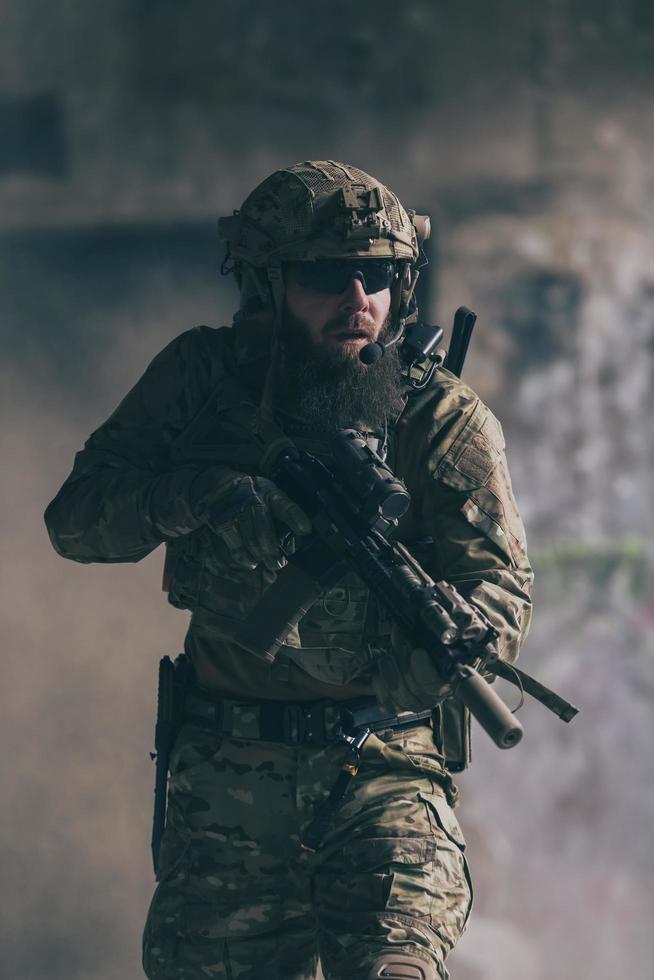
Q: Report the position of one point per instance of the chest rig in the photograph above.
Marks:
(335, 638)
(332, 641)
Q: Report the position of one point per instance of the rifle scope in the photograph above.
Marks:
(373, 484)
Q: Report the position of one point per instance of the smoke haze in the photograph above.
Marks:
(527, 134)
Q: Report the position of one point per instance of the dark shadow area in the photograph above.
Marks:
(67, 293)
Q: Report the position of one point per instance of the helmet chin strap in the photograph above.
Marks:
(277, 289)
(268, 429)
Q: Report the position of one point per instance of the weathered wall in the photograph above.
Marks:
(526, 129)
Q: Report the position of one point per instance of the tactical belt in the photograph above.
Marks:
(304, 723)
(318, 723)
(295, 722)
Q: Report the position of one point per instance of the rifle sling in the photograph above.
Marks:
(556, 704)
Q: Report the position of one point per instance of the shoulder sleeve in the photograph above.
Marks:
(103, 511)
(463, 501)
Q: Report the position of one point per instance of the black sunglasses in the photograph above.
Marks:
(335, 275)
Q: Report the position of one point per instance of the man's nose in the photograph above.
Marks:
(354, 298)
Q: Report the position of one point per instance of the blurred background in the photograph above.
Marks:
(526, 129)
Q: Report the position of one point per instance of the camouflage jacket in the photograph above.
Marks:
(196, 407)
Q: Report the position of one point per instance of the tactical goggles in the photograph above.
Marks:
(335, 275)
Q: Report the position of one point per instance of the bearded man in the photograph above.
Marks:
(325, 257)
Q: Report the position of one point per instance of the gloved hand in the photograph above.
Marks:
(406, 678)
(249, 515)
(252, 520)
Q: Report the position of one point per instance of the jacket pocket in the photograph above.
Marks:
(392, 875)
(476, 466)
(474, 454)
(443, 819)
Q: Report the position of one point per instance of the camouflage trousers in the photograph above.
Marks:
(238, 897)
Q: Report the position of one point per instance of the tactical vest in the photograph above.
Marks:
(344, 630)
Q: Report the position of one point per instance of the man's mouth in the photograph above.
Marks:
(349, 336)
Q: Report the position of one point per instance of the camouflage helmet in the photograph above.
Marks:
(316, 210)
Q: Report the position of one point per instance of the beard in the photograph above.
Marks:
(332, 389)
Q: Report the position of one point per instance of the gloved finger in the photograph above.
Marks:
(233, 542)
(287, 511)
(258, 532)
(470, 623)
(475, 629)
(227, 507)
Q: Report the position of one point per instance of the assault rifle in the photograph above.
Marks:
(354, 505)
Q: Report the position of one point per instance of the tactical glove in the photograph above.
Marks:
(253, 520)
(406, 677)
(249, 515)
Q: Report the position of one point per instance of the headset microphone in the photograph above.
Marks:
(376, 350)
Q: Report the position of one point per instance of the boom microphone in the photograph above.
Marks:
(371, 353)
(374, 351)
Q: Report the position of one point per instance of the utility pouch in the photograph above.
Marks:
(451, 724)
(173, 681)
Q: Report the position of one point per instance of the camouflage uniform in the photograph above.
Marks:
(237, 896)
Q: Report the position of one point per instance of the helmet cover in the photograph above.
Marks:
(320, 209)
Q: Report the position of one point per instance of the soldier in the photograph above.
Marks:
(325, 257)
